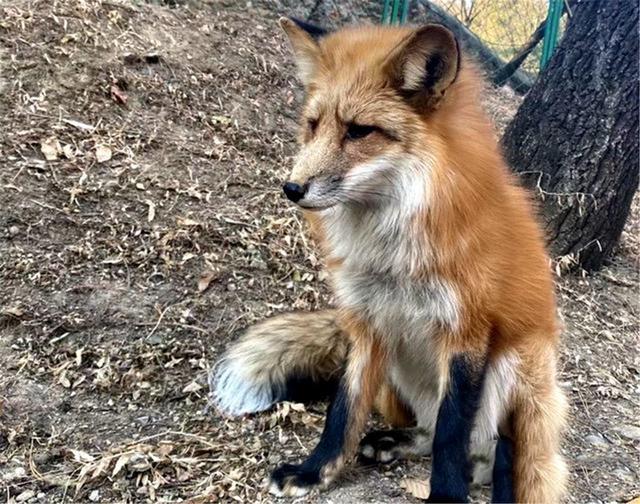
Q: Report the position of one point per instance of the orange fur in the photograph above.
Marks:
(466, 226)
(365, 372)
(477, 232)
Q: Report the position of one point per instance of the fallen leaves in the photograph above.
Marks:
(51, 148)
(163, 459)
(118, 95)
(103, 153)
(151, 213)
(418, 488)
(192, 387)
(205, 279)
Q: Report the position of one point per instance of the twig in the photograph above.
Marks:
(158, 321)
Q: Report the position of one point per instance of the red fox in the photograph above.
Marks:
(445, 315)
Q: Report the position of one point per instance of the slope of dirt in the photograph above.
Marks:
(141, 154)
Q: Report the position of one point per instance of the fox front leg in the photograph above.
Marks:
(450, 472)
(346, 416)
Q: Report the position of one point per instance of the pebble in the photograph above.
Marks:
(94, 496)
(25, 496)
(596, 440)
(14, 230)
(17, 473)
(630, 431)
(624, 475)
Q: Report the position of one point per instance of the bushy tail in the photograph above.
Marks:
(539, 419)
(292, 357)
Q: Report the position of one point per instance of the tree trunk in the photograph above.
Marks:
(575, 140)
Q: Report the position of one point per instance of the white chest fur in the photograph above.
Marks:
(398, 308)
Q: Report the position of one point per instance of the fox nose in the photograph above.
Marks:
(294, 192)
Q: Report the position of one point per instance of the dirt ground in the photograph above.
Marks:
(141, 226)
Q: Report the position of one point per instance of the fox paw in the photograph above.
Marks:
(387, 445)
(290, 480)
(379, 446)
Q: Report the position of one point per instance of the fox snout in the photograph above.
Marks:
(295, 192)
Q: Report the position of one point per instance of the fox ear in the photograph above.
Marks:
(304, 40)
(425, 64)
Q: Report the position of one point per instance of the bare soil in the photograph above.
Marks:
(142, 148)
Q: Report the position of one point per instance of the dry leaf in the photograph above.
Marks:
(165, 448)
(64, 381)
(118, 95)
(138, 463)
(152, 210)
(50, 148)
(103, 153)
(79, 124)
(78, 381)
(205, 279)
(81, 456)
(192, 387)
(12, 311)
(418, 488)
(69, 151)
(185, 221)
(101, 467)
(120, 463)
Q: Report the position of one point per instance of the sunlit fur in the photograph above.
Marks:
(433, 251)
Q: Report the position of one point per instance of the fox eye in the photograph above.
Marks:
(357, 131)
(313, 125)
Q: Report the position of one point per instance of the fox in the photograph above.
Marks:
(445, 317)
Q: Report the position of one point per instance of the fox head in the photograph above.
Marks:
(369, 93)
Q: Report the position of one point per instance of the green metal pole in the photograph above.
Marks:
(405, 11)
(551, 32)
(385, 11)
(394, 12)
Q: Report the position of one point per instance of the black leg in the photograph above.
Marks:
(292, 480)
(450, 470)
(306, 389)
(502, 490)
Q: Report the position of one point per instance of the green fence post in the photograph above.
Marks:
(551, 31)
(385, 11)
(405, 12)
(396, 13)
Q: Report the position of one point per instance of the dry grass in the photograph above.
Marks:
(141, 156)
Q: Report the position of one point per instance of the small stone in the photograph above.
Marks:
(630, 431)
(259, 264)
(154, 339)
(231, 287)
(25, 496)
(17, 473)
(94, 496)
(624, 475)
(14, 230)
(597, 440)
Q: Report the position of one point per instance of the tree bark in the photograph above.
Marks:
(574, 140)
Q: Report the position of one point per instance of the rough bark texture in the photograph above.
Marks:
(575, 137)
